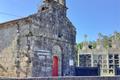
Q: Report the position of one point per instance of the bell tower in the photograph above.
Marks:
(61, 6)
(63, 2)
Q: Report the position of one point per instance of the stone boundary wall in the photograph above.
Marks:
(66, 78)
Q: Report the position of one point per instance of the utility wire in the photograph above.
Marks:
(4, 13)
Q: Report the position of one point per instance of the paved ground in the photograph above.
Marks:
(65, 78)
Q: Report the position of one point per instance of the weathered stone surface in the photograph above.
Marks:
(56, 30)
(51, 31)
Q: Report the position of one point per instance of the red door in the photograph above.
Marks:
(55, 66)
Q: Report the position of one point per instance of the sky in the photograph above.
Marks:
(88, 16)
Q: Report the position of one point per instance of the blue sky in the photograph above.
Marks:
(88, 16)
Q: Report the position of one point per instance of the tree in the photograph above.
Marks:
(107, 40)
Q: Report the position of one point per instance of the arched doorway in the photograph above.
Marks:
(55, 66)
(57, 60)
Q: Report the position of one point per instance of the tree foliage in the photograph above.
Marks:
(107, 40)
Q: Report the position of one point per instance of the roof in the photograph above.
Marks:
(12, 23)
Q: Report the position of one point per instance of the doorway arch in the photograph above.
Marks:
(57, 60)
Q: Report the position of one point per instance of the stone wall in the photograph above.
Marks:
(8, 38)
(66, 78)
(51, 31)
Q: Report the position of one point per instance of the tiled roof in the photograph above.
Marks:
(12, 23)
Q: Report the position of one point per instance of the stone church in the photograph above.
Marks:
(42, 44)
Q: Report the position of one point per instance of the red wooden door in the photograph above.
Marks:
(55, 66)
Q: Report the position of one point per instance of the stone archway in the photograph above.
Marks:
(57, 60)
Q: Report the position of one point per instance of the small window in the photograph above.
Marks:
(110, 56)
(116, 61)
(111, 71)
(105, 66)
(111, 66)
(60, 35)
(44, 9)
(117, 65)
(111, 61)
(116, 56)
(95, 61)
(104, 71)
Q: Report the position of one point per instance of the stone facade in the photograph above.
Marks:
(52, 35)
